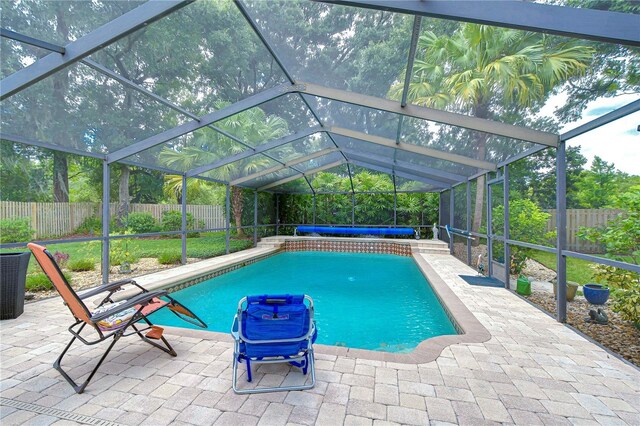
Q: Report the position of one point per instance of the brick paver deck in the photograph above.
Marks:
(532, 371)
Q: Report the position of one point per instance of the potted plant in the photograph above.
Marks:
(596, 294)
(572, 288)
(13, 275)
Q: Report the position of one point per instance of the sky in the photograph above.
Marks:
(617, 142)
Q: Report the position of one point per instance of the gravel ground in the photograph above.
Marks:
(89, 279)
(620, 336)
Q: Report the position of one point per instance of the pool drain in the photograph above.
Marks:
(61, 414)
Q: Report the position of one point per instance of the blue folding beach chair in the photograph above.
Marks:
(274, 329)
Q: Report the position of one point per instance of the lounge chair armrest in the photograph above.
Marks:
(104, 288)
(140, 299)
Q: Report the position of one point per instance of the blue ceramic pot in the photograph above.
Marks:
(596, 294)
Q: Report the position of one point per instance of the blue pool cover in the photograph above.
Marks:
(355, 230)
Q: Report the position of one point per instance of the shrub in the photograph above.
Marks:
(122, 251)
(61, 258)
(40, 282)
(90, 226)
(15, 230)
(142, 223)
(172, 221)
(170, 258)
(79, 265)
(625, 290)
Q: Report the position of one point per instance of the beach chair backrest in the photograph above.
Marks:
(276, 317)
(51, 269)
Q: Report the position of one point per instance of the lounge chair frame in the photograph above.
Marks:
(84, 317)
(304, 360)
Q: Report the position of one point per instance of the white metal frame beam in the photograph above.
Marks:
(429, 152)
(439, 116)
(258, 150)
(205, 120)
(382, 169)
(605, 26)
(300, 175)
(97, 39)
(286, 165)
(408, 168)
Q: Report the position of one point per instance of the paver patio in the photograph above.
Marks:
(532, 371)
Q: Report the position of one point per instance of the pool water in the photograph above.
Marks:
(368, 301)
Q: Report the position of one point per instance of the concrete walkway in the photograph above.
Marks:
(532, 371)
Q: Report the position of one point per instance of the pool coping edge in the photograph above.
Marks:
(469, 328)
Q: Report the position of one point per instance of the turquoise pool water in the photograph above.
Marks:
(368, 301)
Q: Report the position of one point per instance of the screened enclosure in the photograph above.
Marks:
(348, 112)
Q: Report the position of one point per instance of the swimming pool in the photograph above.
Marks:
(362, 300)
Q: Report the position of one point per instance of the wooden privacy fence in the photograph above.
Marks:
(59, 219)
(583, 218)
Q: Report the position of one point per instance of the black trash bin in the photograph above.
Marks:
(13, 274)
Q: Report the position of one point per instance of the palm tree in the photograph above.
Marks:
(491, 73)
(253, 126)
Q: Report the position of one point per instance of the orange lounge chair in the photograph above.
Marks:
(110, 319)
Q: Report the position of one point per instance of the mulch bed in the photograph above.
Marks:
(620, 336)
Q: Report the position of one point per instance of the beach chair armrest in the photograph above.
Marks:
(140, 299)
(114, 286)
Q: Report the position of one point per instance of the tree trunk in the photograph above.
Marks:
(60, 178)
(60, 89)
(236, 207)
(123, 197)
(480, 138)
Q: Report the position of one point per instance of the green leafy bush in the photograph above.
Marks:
(40, 282)
(527, 223)
(90, 226)
(168, 258)
(80, 265)
(172, 221)
(15, 230)
(122, 251)
(621, 239)
(141, 223)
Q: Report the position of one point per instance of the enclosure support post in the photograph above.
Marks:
(440, 236)
(489, 227)
(277, 214)
(395, 203)
(468, 222)
(105, 221)
(507, 248)
(228, 212)
(314, 209)
(561, 221)
(184, 219)
(353, 209)
(255, 218)
(452, 201)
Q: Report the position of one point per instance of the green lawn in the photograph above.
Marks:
(209, 245)
(577, 269)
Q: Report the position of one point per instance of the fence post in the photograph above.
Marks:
(507, 248)
(34, 219)
(561, 221)
(228, 207)
(184, 219)
(105, 221)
